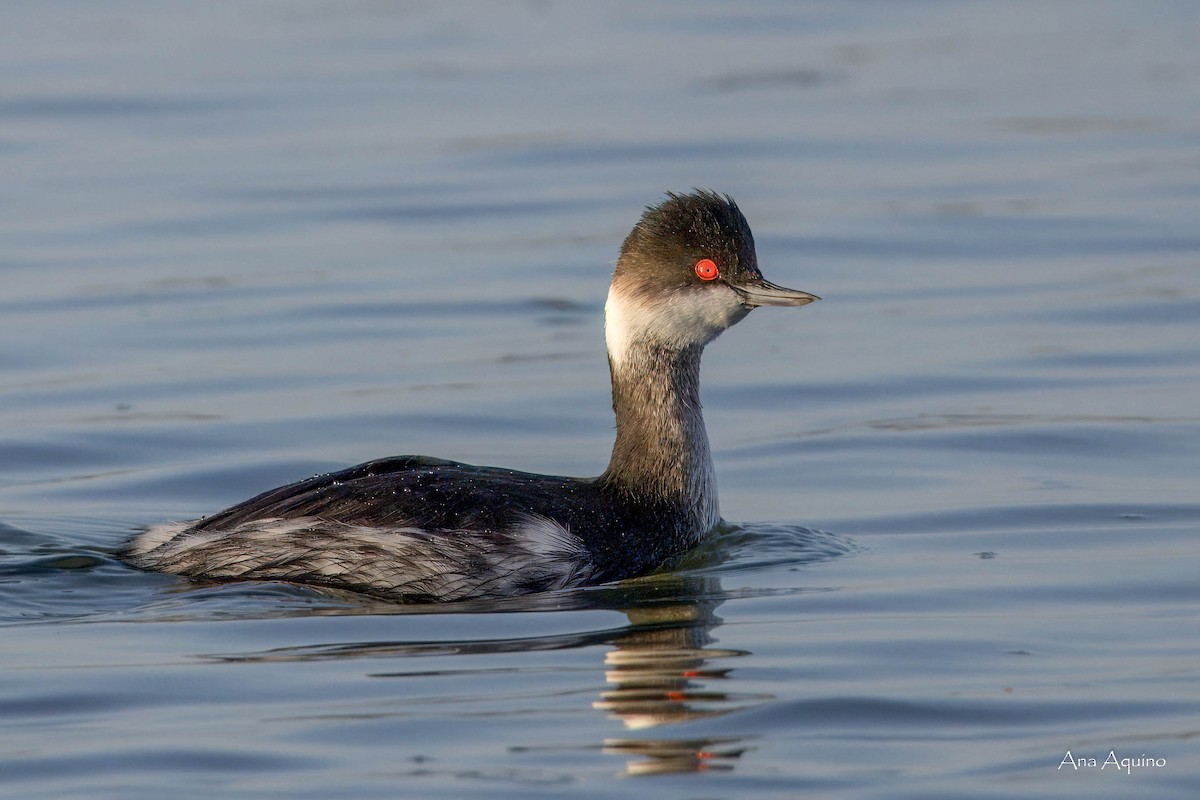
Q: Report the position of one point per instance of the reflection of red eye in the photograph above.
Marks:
(706, 269)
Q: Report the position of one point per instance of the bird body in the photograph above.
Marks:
(415, 528)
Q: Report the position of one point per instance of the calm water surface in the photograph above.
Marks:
(245, 243)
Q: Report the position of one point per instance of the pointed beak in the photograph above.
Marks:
(760, 292)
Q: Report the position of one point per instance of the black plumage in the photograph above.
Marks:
(423, 529)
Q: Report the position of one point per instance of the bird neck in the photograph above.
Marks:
(661, 453)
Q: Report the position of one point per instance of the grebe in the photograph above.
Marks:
(422, 529)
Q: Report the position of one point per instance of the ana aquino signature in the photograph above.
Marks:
(1111, 761)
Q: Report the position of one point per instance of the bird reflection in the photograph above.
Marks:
(662, 667)
(664, 756)
(661, 671)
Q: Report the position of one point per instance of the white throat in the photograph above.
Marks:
(622, 322)
(675, 321)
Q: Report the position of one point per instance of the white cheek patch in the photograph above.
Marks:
(624, 322)
(684, 318)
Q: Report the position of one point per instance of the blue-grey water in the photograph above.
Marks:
(242, 243)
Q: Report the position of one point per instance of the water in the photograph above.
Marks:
(244, 243)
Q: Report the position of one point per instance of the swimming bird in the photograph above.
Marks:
(421, 529)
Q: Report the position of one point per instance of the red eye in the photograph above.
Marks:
(706, 269)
